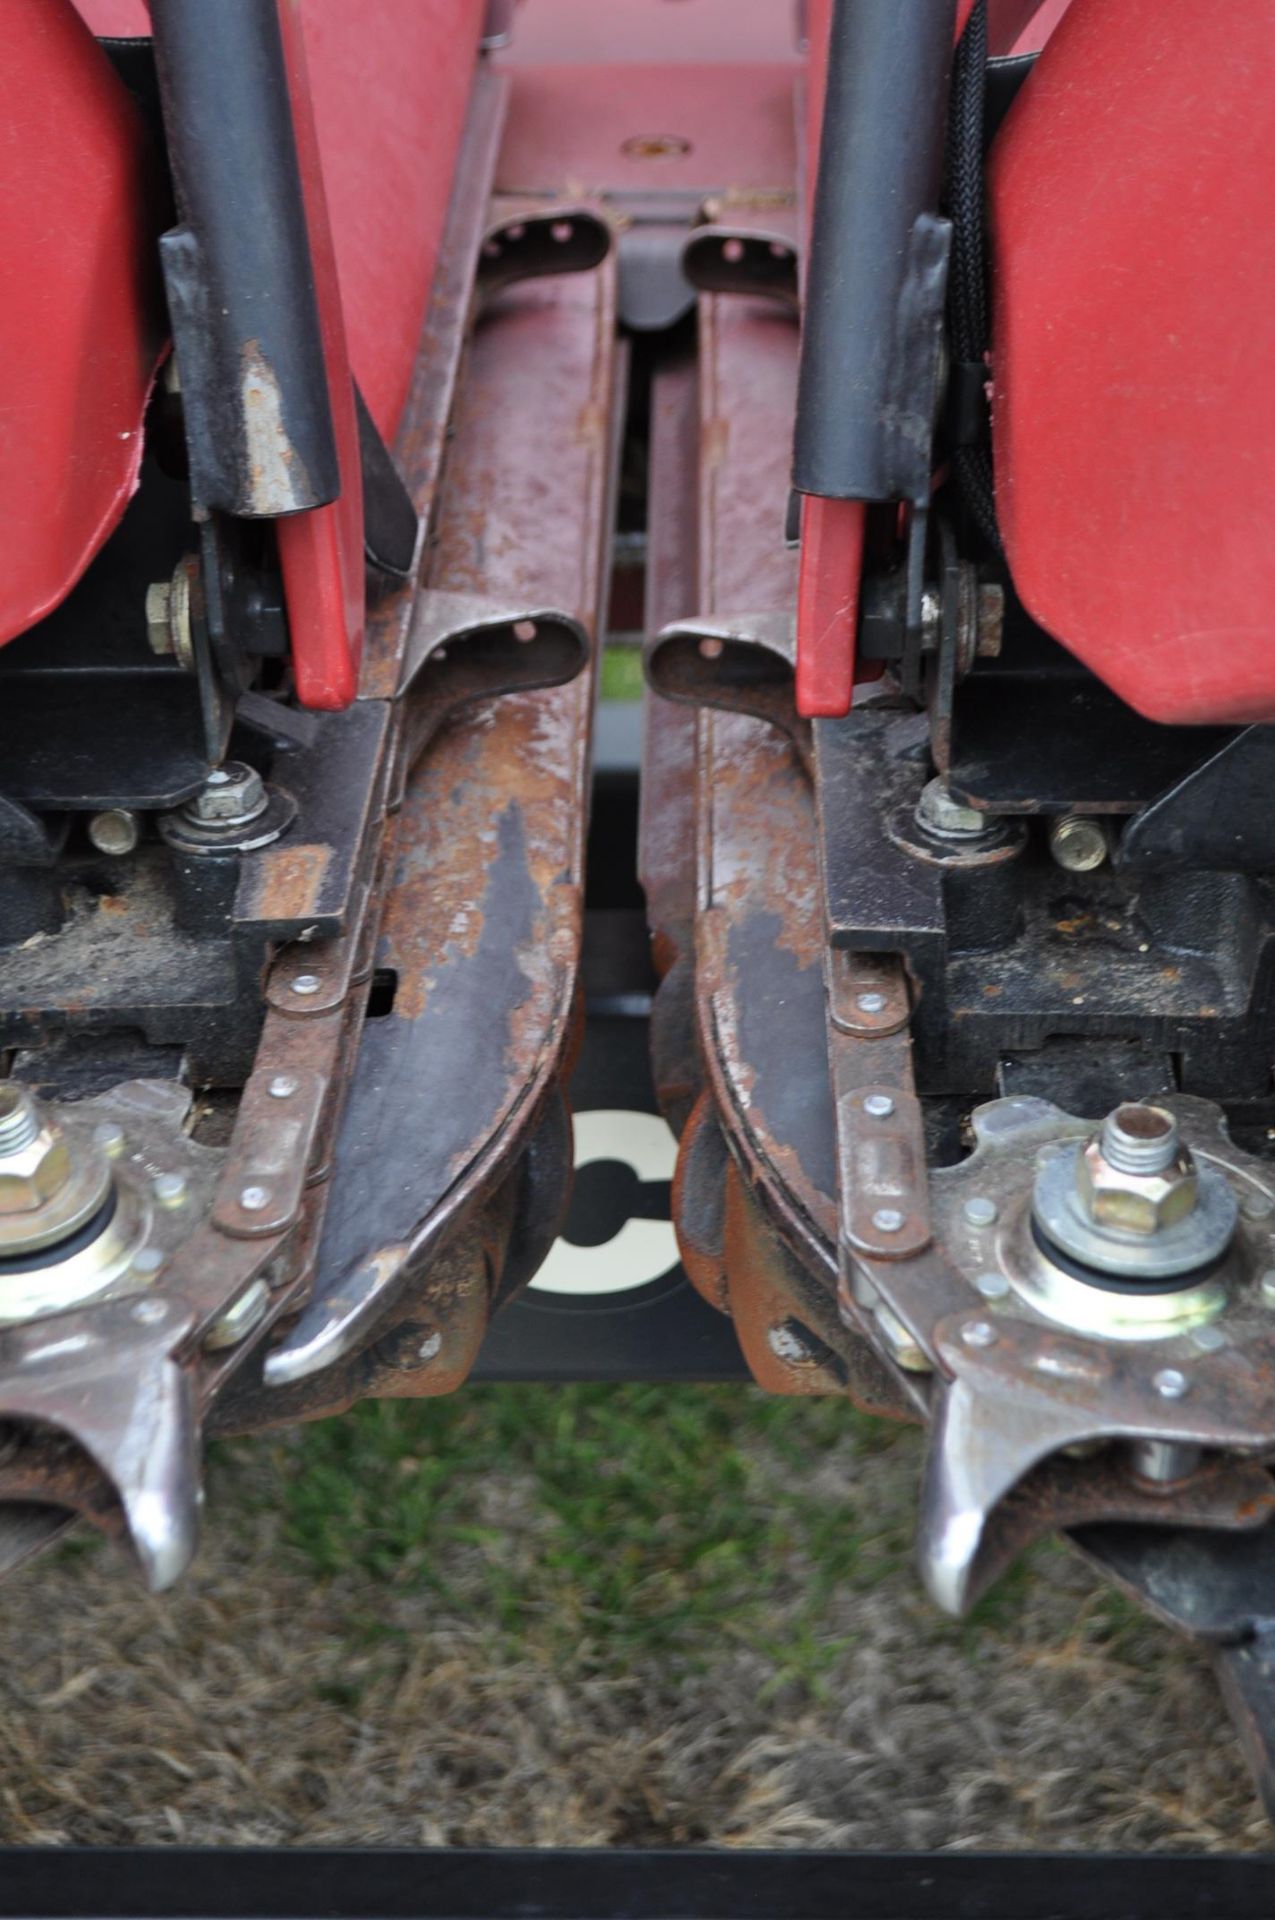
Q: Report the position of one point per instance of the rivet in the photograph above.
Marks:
(992, 1286)
(170, 1189)
(980, 1211)
(1208, 1339)
(1170, 1383)
(282, 1087)
(253, 1199)
(147, 1262)
(888, 1220)
(149, 1313)
(978, 1333)
(109, 1136)
(1266, 1286)
(306, 983)
(1256, 1206)
(871, 1003)
(879, 1105)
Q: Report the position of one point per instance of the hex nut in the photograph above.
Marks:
(229, 797)
(168, 616)
(158, 631)
(35, 1172)
(1142, 1203)
(50, 1186)
(939, 812)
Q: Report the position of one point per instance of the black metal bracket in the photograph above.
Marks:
(1218, 815)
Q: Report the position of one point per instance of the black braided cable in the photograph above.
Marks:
(968, 307)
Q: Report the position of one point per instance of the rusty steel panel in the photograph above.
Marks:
(666, 826)
(482, 921)
(757, 1230)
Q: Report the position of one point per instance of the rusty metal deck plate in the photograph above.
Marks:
(481, 929)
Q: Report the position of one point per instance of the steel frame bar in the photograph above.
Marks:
(619, 1884)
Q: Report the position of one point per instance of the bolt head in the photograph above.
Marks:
(1141, 1203)
(940, 812)
(115, 831)
(230, 796)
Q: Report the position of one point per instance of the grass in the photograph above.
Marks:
(594, 1615)
(604, 1524)
(622, 673)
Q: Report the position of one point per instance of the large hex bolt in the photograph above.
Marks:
(34, 1161)
(1135, 1174)
(47, 1190)
(1132, 1202)
(232, 796)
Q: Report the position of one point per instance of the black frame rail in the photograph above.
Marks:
(613, 1884)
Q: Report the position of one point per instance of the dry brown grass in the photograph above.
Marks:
(273, 1701)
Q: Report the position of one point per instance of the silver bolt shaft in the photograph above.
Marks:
(1079, 843)
(1140, 1139)
(19, 1117)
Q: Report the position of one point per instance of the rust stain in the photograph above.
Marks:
(278, 478)
(592, 426)
(290, 880)
(716, 440)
